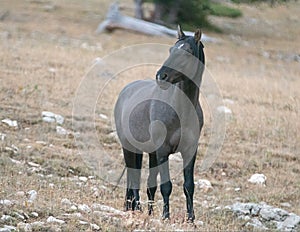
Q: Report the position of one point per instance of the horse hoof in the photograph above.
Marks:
(166, 216)
(139, 208)
(150, 208)
(190, 219)
(127, 205)
(136, 206)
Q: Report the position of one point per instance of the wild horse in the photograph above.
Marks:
(160, 118)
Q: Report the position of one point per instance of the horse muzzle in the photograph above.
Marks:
(162, 79)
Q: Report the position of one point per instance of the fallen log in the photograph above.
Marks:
(116, 20)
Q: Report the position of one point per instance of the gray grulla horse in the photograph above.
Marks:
(160, 118)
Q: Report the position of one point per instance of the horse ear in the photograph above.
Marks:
(198, 35)
(180, 32)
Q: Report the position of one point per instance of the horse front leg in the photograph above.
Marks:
(134, 164)
(128, 199)
(189, 186)
(166, 184)
(152, 181)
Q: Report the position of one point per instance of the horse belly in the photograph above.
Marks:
(132, 115)
(139, 122)
(168, 129)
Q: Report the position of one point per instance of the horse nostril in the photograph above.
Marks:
(162, 76)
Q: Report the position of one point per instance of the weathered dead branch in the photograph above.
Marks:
(116, 20)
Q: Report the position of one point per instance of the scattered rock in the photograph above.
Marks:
(269, 213)
(32, 195)
(228, 101)
(8, 228)
(49, 7)
(257, 224)
(258, 178)
(34, 214)
(83, 179)
(36, 225)
(35, 169)
(96, 193)
(246, 209)
(199, 223)
(52, 117)
(2, 136)
(237, 189)
(52, 70)
(260, 216)
(6, 218)
(280, 55)
(73, 215)
(66, 202)
(52, 219)
(12, 149)
(26, 227)
(286, 204)
(244, 217)
(97, 60)
(6, 202)
(84, 208)
(94, 226)
(73, 208)
(61, 131)
(19, 216)
(87, 46)
(41, 142)
(83, 222)
(5, 230)
(32, 164)
(176, 157)
(106, 208)
(9, 122)
(103, 116)
(224, 109)
(204, 184)
(290, 223)
(113, 135)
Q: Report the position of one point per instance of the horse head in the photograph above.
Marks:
(186, 61)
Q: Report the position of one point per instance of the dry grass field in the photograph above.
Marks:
(47, 47)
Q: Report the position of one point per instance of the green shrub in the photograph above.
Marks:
(225, 11)
(193, 13)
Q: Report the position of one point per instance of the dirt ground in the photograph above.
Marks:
(47, 49)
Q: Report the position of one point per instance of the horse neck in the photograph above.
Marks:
(190, 89)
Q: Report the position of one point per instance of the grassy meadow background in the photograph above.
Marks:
(47, 47)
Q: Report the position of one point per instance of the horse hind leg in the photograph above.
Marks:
(133, 163)
(152, 181)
